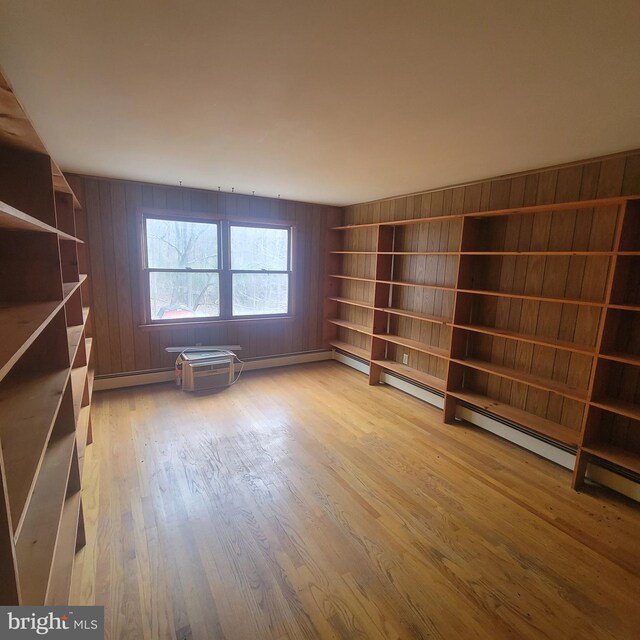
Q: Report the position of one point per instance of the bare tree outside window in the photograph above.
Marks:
(183, 263)
(259, 265)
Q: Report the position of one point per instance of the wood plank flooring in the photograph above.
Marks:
(302, 503)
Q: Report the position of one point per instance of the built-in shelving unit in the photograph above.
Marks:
(45, 366)
(531, 314)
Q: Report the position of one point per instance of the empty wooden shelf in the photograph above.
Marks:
(45, 371)
(567, 290)
(530, 379)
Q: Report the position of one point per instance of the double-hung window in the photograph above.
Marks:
(260, 270)
(199, 269)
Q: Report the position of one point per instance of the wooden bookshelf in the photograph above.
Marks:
(24, 433)
(611, 424)
(522, 313)
(45, 367)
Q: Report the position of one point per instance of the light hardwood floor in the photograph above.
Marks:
(302, 503)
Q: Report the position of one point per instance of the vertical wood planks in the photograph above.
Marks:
(121, 345)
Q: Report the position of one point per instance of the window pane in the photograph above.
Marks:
(258, 248)
(172, 244)
(260, 293)
(184, 295)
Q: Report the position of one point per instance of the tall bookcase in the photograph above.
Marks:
(531, 314)
(46, 373)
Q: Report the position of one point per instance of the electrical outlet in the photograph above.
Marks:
(405, 358)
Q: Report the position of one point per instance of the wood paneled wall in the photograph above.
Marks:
(577, 277)
(613, 176)
(121, 346)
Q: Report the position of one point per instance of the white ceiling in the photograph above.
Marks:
(331, 101)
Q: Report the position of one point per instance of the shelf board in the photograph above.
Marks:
(398, 223)
(526, 378)
(625, 358)
(418, 253)
(335, 275)
(355, 253)
(539, 208)
(74, 336)
(625, 307)
(522, 337)
(64, 554)
(28, 407)
(416, 316)
(395, 282)
(349, 348)
(621, 407)
(360, 328)
(16, 220)
(70, 287)
(60, 183)
(622, 457)
(69, 238)
(524, 296)
(397, 253)
(90, 378)
(415, 284)
(568, 253)
(353, 303)
(36, 543)
(21, 325)
(414, 344)
(78, 380)
(535, 423)
(82, 429)
(560, 253)
(425, 379)
(556, 207)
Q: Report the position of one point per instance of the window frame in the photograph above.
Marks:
(288, 271)
(224, 271)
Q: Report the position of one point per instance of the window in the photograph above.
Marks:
(203, 269)
(259, 270)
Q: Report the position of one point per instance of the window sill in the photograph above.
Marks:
(199, 324)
